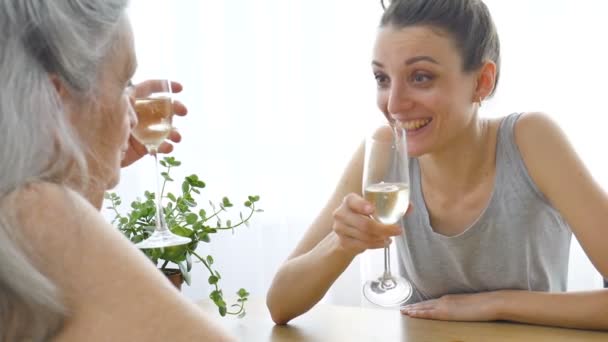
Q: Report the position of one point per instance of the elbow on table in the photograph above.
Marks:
(278, 316)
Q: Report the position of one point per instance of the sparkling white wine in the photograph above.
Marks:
(390, 199)
(154, 121)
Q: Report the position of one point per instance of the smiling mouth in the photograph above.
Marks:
(415, 125)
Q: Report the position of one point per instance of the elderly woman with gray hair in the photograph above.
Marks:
(65, 119)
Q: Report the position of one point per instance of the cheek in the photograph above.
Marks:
(382, 101)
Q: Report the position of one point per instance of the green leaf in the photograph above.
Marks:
(209, 260)
(242, 314)
(171, 161)
(191, 218)
(226, 202)
(228, 223)
(215, 295)
(188, 262)
(242, 293)
(259, 211)
(137, 238)
(124, 220)
(171, 197)
(183, 268)
(205, 237)
(166, 176)
(182, 231)
(185, 187)
(253, 198)
(217, 274)
(196, 191)
(222, 310)
(213, 280)
(202, 213)
(248, 204)
(163, 163)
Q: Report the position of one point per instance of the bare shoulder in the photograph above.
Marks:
(531, 124)
(543, 147)
(40, 208)
(105, 282)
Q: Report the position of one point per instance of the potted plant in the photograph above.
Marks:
(184, 217)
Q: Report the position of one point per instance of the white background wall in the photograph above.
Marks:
(281, 93)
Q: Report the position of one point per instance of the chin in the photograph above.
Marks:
(415, 152)
(113, 182)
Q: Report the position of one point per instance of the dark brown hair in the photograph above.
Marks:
(468, 22)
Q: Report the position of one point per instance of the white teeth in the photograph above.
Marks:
(415, 124)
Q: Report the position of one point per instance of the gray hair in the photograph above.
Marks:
(38, 38)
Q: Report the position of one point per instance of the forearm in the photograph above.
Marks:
(302, 281)
(583, 310)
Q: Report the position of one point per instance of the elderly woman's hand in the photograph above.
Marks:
(136, 149)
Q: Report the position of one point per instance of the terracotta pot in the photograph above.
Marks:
(175, 277)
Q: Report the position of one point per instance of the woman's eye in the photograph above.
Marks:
(421, 78)
(381, 79)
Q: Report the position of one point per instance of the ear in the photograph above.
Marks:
(59, 86)
(486, 79)
(70, 104)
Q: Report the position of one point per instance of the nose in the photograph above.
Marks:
(399, 100)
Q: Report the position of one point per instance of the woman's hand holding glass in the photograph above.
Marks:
(142, 90)
(385, 183)
(357, 230)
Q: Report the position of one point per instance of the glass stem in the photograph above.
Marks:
(161, 225)
(387, 263)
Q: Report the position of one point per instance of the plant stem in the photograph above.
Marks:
(164, 264)
(241, 304)
(242, 222)
(212, 216)
(204, 263)
(162, 191)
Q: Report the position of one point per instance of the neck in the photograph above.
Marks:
(458, 166)
(94, 194)
(92, 191)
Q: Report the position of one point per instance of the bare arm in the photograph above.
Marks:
(581, 310)
(563, 179)
(341, 231)
(111, 290)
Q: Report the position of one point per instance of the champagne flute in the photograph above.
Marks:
(154, 116)
(386, 186)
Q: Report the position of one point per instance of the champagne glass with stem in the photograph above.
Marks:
(386, 185)
(153, 42)
(154, 123)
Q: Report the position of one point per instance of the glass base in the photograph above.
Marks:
(388, 291)
(160, 239)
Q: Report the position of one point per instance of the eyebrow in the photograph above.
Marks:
(411, 61)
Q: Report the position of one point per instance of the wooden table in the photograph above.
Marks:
(341, 323)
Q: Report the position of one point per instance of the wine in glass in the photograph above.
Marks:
(154, 116)
(386, 186)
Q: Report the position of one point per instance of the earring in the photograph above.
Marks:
(480, 100)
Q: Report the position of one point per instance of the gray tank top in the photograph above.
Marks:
(518, 242)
